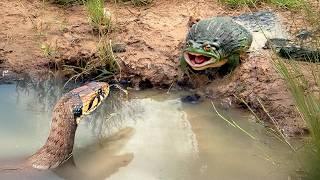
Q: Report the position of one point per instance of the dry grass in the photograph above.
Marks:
(308, 105)
(136, 2)
(103, 67)
(65, 2)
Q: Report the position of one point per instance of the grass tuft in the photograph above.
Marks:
(290, 4)
(48, 50)
(104, 66)
(106, 56)
(99, 18)
(240, 3)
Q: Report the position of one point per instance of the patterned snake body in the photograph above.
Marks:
(68, 111)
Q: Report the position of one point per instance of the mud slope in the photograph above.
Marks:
(35, 33)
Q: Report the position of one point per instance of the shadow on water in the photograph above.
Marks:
(108, 149)
(150, 135)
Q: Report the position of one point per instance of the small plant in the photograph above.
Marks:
(63, 25)
(99, 18)
(48, 50)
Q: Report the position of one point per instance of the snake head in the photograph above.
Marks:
(90, 96)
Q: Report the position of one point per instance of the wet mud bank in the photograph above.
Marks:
(257, 83)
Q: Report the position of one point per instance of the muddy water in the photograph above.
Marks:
(150, 135)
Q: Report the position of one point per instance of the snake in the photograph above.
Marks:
(67, 114)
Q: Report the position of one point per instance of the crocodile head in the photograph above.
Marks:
(201, 55)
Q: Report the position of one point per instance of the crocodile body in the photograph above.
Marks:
(288, 50)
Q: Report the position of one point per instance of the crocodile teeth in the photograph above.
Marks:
(195, 54)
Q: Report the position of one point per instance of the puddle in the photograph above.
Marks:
(149, 136)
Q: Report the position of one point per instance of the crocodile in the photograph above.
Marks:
(219, 42)
(66, 116)
(215, 42)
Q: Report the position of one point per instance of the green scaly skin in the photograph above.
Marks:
(215, 42)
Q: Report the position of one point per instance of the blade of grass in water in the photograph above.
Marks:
(231, 122)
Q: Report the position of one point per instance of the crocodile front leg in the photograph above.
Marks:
(233, 62)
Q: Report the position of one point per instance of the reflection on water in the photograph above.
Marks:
(150, 135)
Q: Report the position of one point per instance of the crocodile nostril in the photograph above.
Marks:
(189, 43)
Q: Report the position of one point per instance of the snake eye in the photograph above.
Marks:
(100, 91)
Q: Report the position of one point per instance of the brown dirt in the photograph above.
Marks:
(153, 36)
(28, 26)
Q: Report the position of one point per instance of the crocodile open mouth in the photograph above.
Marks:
(201, 62)
(194, 59)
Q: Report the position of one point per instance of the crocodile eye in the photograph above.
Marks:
(207, 47)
